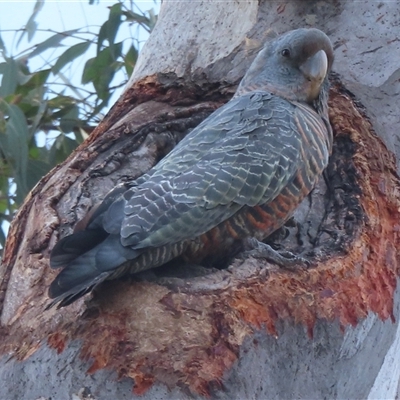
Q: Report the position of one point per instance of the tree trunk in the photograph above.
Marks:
(251, 330)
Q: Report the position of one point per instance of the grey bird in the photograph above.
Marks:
(240, 174)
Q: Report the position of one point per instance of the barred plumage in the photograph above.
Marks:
(240, 173)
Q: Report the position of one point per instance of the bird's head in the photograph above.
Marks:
(293, 66)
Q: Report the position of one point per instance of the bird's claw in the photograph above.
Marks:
(284, 259)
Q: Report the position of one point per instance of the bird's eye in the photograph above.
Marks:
(285, 53)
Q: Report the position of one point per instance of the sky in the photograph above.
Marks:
(59, 16)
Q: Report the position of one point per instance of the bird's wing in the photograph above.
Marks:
(243, 155)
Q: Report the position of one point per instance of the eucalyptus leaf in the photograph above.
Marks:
(102, 36)
(114, 22)
(135, 17)
(2, 45)
(3, 206)
(130, 60)
(31, 25)
(38, 78)
(61, 101)
(70, 120)
(100, 71)
(37, 118)
(17, 148)
(36, 170)
(62, 147)
(9, 81)
(69, 55)
(53, 41)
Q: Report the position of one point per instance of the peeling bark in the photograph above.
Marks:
(231, 333)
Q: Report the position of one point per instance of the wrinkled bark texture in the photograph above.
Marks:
(251, 330)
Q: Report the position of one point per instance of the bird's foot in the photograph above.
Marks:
(284, 259)
(174, 274)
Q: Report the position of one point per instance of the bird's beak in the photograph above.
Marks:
(315, 70)
(316, 67)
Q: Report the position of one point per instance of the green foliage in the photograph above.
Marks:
(44, 102)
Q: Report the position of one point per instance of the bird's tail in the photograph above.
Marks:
(71, 247)
(89, 257)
